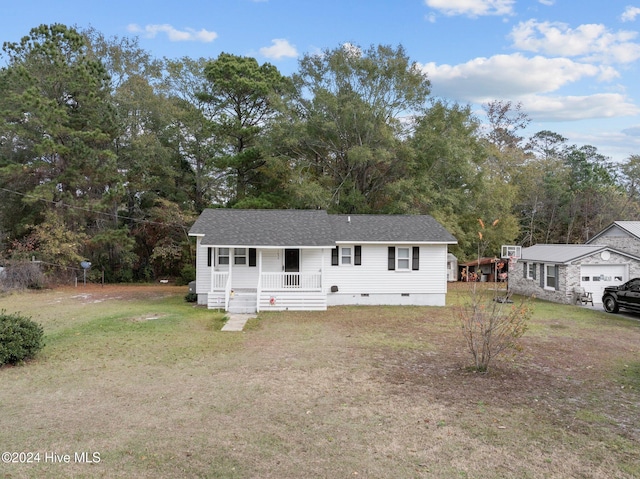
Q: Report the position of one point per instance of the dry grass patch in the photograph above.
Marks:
(350, 392)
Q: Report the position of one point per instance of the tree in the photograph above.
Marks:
(58, 124)
(242, 100)
(193, 132)
(506, 120)
(490, 324)
(350, 104)
(442, 175)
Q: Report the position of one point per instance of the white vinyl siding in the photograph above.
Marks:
(374, 277)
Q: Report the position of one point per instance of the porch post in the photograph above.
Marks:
(321, 268)
(231, 253)
(212, 272)
(259, 291)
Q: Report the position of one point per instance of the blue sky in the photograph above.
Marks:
(574, 65)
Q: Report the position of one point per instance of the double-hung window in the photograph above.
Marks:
(223, 255)
(531, 271)
(403, 259)
(345, 255)
(550, 279)
(240, 256)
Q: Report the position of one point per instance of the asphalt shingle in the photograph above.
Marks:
(231, 227)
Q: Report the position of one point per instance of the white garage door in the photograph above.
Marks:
(595, 277)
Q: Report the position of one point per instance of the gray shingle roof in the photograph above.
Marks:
(390, 228)
(231, 227)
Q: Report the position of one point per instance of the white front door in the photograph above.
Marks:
(595, 277)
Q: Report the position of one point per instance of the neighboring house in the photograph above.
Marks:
(621, 235)
(554, 272)
(256, 260)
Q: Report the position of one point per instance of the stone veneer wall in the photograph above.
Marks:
(626, 244)
(518, 284)
(568, 277)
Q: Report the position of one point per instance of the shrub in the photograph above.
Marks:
(491, 324)
(191, 297)
(20, 338)
(22, 275)
(187, 274)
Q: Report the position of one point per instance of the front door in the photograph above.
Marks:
(292, 266)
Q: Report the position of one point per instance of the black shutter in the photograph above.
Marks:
(415, 261)
(391, 263)
(525, 270)
(557, 273)
(209, 256)
(542, 275)
(252, 256)
(334, 256)
(357, 252)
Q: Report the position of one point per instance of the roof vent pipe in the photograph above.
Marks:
(348, 219)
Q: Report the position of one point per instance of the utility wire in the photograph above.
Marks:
(112, 215)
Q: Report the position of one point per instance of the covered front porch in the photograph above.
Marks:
(260, 279)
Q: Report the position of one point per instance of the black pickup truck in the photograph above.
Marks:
(626, 296)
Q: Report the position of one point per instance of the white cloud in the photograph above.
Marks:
(512, 75)
(547, 2)
(472, 8)
(569, 108)
(591, 41)
(175, 35)
(531, 81)
(280, 48)
(630, 14)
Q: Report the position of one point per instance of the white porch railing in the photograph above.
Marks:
(219, 281)
(289, 281)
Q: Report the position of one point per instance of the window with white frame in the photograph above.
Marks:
(531, 270)
(403, 259)
(346, 255)
(550, 279)
(223, 255)
(240, 256)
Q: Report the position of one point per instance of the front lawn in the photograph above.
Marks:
(150, 383)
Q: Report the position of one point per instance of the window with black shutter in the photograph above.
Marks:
(391, 262)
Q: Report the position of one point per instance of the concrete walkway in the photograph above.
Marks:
(236, 322)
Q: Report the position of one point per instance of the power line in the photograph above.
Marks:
(112, 215)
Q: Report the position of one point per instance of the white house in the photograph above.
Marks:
(257, 260)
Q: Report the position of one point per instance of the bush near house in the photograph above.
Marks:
(20, 338)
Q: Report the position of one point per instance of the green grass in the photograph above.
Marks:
(151, 383)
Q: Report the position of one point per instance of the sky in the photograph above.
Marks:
(574, 66)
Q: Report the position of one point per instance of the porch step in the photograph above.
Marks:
(243, 302)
